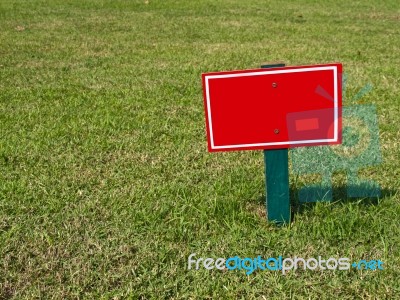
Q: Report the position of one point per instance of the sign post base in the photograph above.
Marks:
(277, 185)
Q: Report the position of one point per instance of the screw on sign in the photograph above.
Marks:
(272, 109)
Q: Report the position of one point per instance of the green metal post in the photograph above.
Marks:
(277, 180)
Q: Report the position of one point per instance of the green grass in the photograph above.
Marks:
(106, 185)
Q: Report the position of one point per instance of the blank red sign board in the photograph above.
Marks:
(273, 108)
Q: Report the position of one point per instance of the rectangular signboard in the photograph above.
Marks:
(273, 108)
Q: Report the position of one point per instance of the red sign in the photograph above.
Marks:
(273, 108)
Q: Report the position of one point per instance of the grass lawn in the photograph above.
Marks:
(106, 185)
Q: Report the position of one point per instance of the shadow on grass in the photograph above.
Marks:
(339, 196)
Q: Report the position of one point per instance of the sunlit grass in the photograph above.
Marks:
(106, 186)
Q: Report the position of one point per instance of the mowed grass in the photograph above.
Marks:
(106, 186)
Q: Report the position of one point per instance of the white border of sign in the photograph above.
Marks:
(335, 106)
